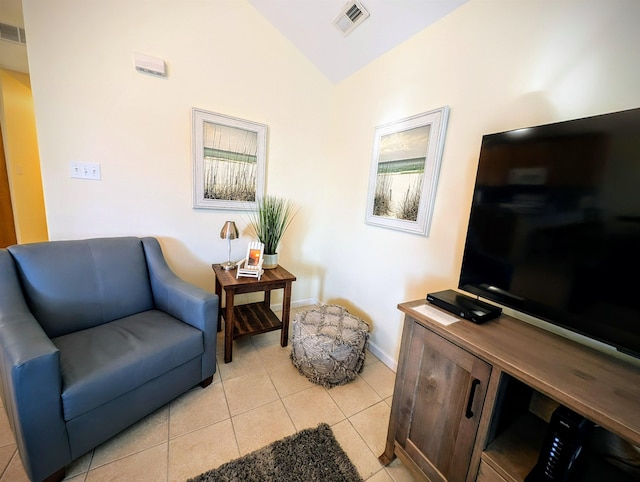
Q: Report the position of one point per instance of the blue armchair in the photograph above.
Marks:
(94, 335)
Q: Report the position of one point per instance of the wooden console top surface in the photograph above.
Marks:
(600, 387)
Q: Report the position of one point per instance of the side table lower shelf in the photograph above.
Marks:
(254, 318)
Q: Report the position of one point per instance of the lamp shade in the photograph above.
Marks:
(229, 230)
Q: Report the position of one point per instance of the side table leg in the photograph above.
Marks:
(286, 308)
(228, 327)
(219, 293)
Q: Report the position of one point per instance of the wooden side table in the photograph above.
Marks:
(252, 318)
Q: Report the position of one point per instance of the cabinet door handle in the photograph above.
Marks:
(472, 392)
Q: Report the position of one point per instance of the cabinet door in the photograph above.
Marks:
(443, 392)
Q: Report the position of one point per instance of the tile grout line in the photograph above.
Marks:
(233, 427)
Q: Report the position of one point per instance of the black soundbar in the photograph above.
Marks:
(464, 306)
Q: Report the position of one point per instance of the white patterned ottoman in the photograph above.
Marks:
(329, 344)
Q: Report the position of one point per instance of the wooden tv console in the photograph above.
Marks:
(472, 402)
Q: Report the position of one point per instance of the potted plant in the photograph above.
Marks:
(271, 219)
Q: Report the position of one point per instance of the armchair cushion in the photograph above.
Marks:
(103, 363)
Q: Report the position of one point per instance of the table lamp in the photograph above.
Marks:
(229, 231)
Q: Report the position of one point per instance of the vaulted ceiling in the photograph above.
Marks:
(309, 25)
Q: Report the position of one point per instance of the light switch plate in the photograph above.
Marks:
(85, 170)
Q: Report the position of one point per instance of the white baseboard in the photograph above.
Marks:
(296, 304)
(307, 302)
(383, 357)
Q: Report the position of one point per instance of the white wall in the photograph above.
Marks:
(93, 106)
(498, 64)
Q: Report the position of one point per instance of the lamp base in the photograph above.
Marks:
(229, 265)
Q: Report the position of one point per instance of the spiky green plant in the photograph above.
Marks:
(382, 197)
(411, 203)
(271, 220)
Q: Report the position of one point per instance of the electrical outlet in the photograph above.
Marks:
(85, 170)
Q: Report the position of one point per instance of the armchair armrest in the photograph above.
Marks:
(31, 381)
(184, 301)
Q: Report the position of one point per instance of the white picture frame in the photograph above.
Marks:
(406, 159)
(251, 265)
(229, 159)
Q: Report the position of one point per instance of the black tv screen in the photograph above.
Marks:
(554, 230)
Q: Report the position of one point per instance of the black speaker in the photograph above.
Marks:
(561, 457)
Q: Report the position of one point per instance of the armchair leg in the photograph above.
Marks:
(206, 382)
(56, 476)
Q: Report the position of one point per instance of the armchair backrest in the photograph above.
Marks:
(73, 285)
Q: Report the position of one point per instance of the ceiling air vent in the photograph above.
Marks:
(12, 33)
(352, 15)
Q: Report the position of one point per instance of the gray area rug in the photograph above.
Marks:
(312, 454)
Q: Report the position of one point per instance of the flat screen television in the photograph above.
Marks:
(554, 230)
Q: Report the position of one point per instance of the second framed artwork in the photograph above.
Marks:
(404, 171)
(229, 157)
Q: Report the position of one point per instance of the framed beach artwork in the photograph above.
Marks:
(229, 157)
(404, 171)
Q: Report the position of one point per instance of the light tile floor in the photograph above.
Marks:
(256, 399)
